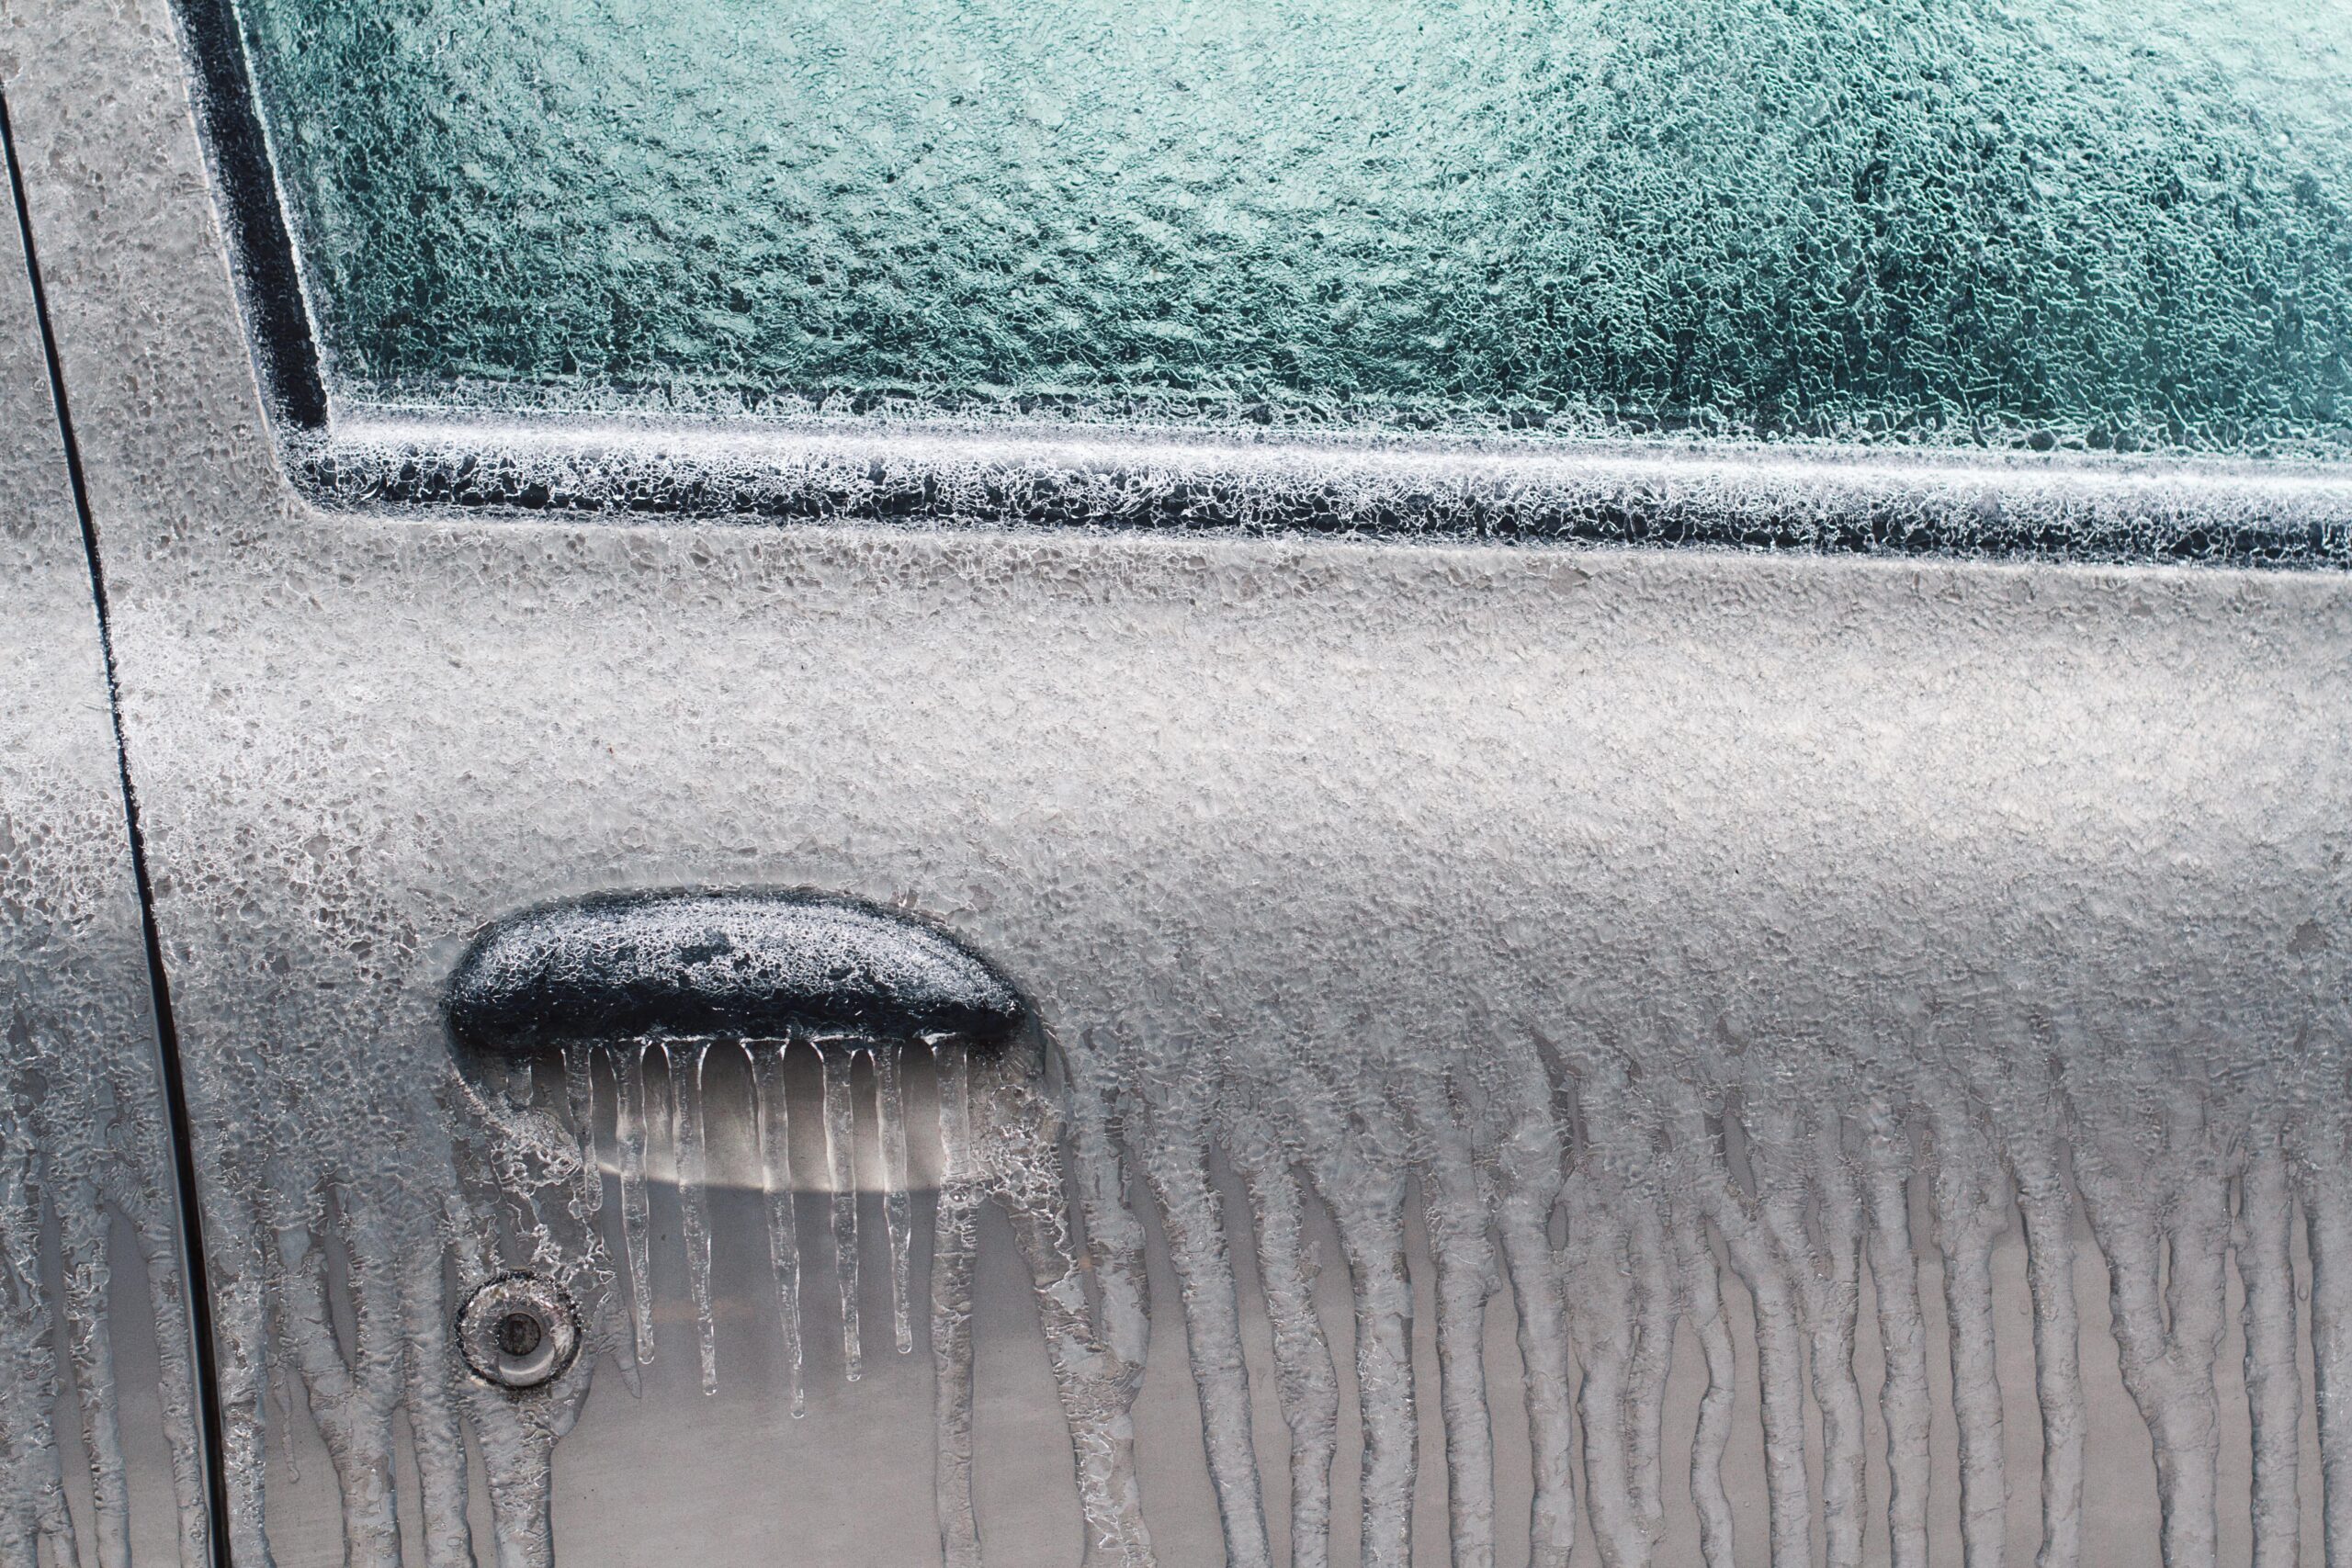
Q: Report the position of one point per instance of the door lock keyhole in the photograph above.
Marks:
(519, 1331)
(519, 1334)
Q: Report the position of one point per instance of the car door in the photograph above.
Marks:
(103, 1392)
(940, 976)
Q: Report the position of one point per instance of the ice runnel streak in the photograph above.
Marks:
(772, 1117)
(440, 1444)
(1098, 1365)
(240, 1330)
(953, 1254)
(81, 1236)
(1176, 1162)
(1306, 1383)
(351, 1395)
(1802, 1168)
(1620, 1276)
(1903, 1338)
(890, 1122)
(492, 1202)
(33, 1473)
(839, 1056)
(1780, 1349)
(636, 1216)
(2273, 1382)
(1601, 1330)
(1702, 1289)
(2154, 1190)
(2324, 1176)
(2048, 1212)
(1454, 1210)
(1364, 1190)
(1971, 1210)
(1656, 1311)
(1529, 1173)
(159, 1254)
(690, 1138)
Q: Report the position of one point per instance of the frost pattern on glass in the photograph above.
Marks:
(86, 1156)
(2083, 223)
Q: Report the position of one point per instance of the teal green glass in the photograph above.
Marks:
(2103, 223)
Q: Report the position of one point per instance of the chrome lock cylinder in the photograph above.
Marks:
(519, 1332)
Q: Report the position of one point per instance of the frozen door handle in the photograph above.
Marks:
(677, 974)
(685, 977)
(742, 965)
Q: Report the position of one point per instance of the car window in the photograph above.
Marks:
(2086, 225)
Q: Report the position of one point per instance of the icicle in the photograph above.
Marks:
(772, 1118)
(1903, 1338)
(636, 1218)
(579, 1101)
(891, 1120)
(689, 1137)
(1176, 1160)
(2273, 1382)
(953, 1250)
(841, 1169)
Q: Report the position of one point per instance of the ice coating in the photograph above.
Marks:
(101, 1448)
(1657, 890)
(940, 473)
(679, 973)
(2085, 223)
(748, 965)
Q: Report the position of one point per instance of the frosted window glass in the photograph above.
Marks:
(2097, 223)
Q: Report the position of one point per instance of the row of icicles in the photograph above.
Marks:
(1662, 1193)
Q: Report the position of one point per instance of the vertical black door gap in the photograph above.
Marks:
(199, 1293)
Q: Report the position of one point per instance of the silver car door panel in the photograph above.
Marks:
(1676, 1055)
